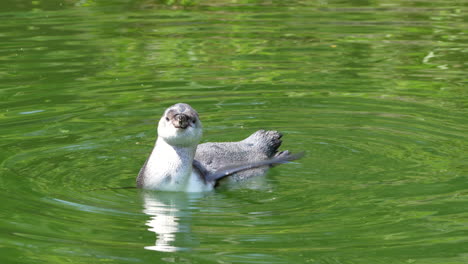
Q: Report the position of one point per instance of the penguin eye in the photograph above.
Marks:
(167, 118)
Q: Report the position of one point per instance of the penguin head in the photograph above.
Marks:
(180, 126)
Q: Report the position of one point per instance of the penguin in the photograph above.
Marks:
(179, 163)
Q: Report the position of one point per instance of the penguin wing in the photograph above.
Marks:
(233, 168)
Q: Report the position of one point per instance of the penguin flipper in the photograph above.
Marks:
(283, 157)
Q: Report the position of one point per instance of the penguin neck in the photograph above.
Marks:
(169, 167)
(162, 147)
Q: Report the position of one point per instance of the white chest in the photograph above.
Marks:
(182, 181)
(170, 169)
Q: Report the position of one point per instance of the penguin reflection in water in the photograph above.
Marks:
(179, 163)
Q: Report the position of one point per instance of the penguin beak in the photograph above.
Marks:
(181, 121)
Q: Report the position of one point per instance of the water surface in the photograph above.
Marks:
(373, 91)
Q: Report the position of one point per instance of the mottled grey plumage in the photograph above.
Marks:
(261, 145)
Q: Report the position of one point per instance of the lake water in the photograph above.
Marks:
(375, 93)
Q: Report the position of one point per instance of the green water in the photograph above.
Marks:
(375, 92)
